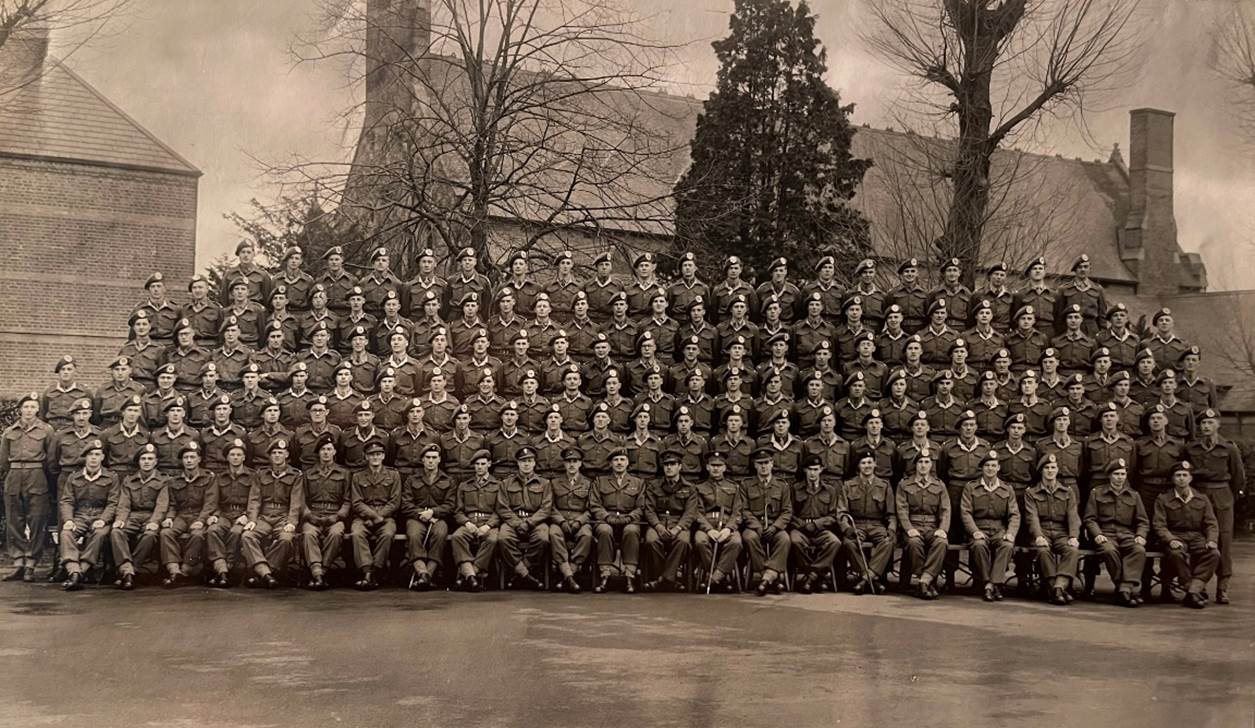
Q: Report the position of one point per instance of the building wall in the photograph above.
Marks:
(77, 243)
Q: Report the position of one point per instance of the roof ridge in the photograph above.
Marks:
(129, 119)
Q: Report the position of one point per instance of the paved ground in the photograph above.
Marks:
(391, 658)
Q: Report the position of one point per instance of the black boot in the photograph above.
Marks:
(19, 574)
(74, 583)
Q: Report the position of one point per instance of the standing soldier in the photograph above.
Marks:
(142, 351)
(25, 454)
(475, 540)
(1054, 524)
(909, 296)
(524, 502)
(428, 498)
(425, 281)
(336, 280)
(327, 500)
(778, 285)
(1038, 296)
(871, 505)
(825, 284)
(570, 519)
(377, 284)
(257, 282)
(66, 455)
(1218, 472)
(716, 509)
(376, 495)
(192, 501)
(767, 511)
(687, 288)
(467, 281)
(602, 288)
(275, 502)
(1116, 522)
(1186, 524)
(200, 403)
(220, 432)
(1082, 292)
(957, 296)
(204, 314)
(143, 500)
(817, 509)
(617, 504)
(226, 525)
(923, 510)
(107, 404)
(56, 404)
(89, 500)
(160, 310)
(670, 533)
(565, 287)
(1118, 339)
(998, 295)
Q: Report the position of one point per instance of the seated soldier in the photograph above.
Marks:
(817, 507)
(870, 503)
(327, 500)
(670, 533)
(523, 505)
(618, 504)
(376, 494)
(428, 498)
(716, 509)
(226, 524)
(923, 510)
(991, 519)
(1054, 524)
(89, 501)
(1186, 524)
(570, 520)
(475, 540)
(766, 512)
(192, 496)
(1116, 522)
(143, 500)
(274, 509)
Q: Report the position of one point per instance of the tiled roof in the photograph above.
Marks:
(60, 116)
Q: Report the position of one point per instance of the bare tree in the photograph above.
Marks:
(1234, 61)
(27, 25)
(989, 69)
(476, 113)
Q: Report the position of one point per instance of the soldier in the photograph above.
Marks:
(524, 502)
(107, 403)
(274, 362)
(192, 494)
(581, 329)
(407, 444)
(171, 439)
(281, 319)
(779, 286)
(1054, 525)
(25, 454)
(937, 337)
(1186, 523)
(730, 289)
(380, 281)
(318, 316)
(275, 503)
(990, 410)
(767, 511)
(644, 288)
(1131, 411)
(1116, 522)
(204, 314)
(246, 314)
(983, 339)
(351, 445)
(156, 400)
(257, 282)
(355, 321)
(1084, 293)
(785, 449)
(715, 507)
(294, 402)
(602, 288)
(923, 510)
(88, 502)
(428, 498)
(427, 320)
(336, 280)
(270, 431)
(475, 540)
(1197, 391)
(1163, 343)
(1100, 448)
(159, 309)
(696, 329)
(376, 495)
(1117, 338)
(657, 323)
(485, 406)
(598, 443)
(992, 520)
(143, 500)
(226, 526)
(670, 532)
(617, 504)
(816, 518)
(551, 442)
(464, 329)
(620, 330)
(565, 287)
(570, 529)
(505, 442)
(220, 431)
(65, 455)
(425, 282)
(1026, 342)
(999, 297)
(142, 351)
(1038, 295)
(1218, 472)
(390, 325)
(328, 495)
(909, 296)
(871, 505)
(56, 403)
(388, 404)
(892, 341)
(873, 299)
(439, 407)
(519, 363)
(957, 296)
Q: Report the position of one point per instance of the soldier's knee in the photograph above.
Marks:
(604, 530)
(632, 529)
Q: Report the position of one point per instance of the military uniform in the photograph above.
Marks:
(570, 530)
(24, 457)
(1218, 473)
(994, 513)
(1051, 513)
(275, 500)
(192, 502)
(425, 539)
(670, 533)
(767, 512)
(1120, 518)
(813, 527)
(617, 504)
(326, 507)
(376, 495)
(871, 505)
(714, 506)
(922, 505)
(476, 505)
(225, 536)
(142, 504)
(305, 442)
(86, 499)
(523, 505)
(1190, 521)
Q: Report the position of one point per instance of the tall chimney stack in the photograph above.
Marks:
(23, 55)
(398, 32)
(1149, 246)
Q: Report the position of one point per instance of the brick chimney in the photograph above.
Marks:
(397, 33)
(1149, 244)
(22, 55)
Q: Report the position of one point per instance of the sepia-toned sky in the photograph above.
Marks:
(215, 80)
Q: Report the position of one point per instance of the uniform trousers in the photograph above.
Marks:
(729, 551)
(182, 545)
(26, 513)
(1125, 559)
(75, 558)
(321, 545)
(990, 557)
(1221, 497)
(814, 551)
(133, 544)
(473, 550)
(224, 543)
(372, 542)
(881, 542)
(1194, 564)
(628, 537)
(767, 553)
(667, 554)
(1057, 558)
(267, 547)
(424, 544)
(926, 554)
(570, 550)
(518, 555)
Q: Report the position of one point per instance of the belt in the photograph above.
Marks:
(523, 512)
(478, 513)
(26, 466)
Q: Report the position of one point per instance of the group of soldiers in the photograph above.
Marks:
(809, 427)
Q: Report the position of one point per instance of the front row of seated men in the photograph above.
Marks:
(196, 520)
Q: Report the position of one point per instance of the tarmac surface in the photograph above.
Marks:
(239, 657)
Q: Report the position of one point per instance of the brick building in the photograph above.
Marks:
(91, 203)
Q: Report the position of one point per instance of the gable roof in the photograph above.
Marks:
(59, 116)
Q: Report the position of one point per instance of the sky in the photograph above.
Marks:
(215, 80)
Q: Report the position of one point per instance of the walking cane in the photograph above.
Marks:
(426, 538)
(867, 571)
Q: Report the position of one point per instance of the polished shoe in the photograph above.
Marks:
(269, 581)
(601, 585)
(474, 584)
(58, 574)
(424, 581)
(989, 593)
(571, 585)
(763, 588)
(19, 574)
(1125, 599)
(219, 581)
(1067, 597)
(171, 581)
(860, 588)
(777, 587)
(804, 585)
(1194, 601)
(127, 582)
(74, 583)
(933, 593)
(1056, 597)
(652, 586)
(317, 583)
(629, 585)
(1222, 596)
(998, 596)
(679, 586)
(531, 582)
